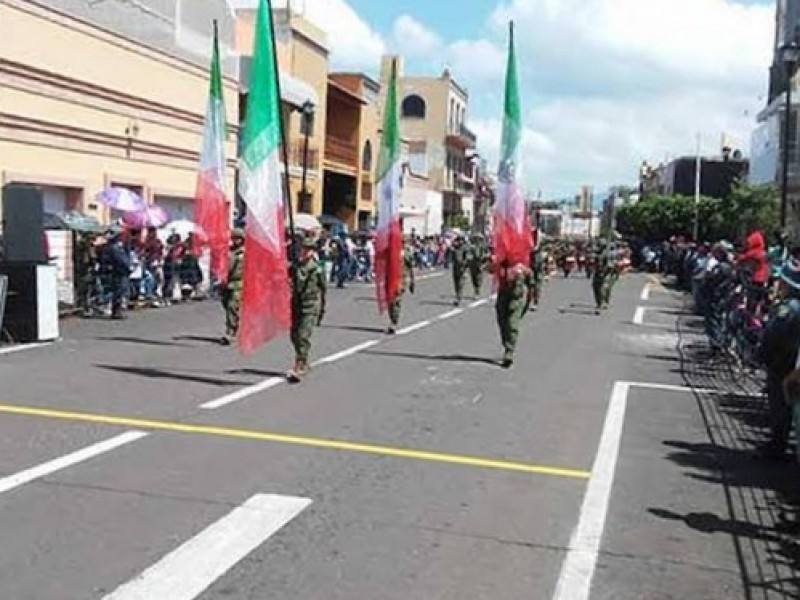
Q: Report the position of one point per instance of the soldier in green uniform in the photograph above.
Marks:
(538, 266)
(408, 281)
(605, 275)
(309, 289)
(515, 286)
(232, 290)
(477, 257)
(459, 255)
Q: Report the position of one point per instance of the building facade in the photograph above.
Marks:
(433, 118)
(303, 57)
(75, 125)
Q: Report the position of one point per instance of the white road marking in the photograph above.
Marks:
(256, 388)
(413, 328)
(638, 316)
(674, 388)
(243, 393)
(191, 568)
(429, 276)
(23, 347)
(348, 352)
(646, 292)
(575, 580)
(450, 314)
(478, 303)
(39, 471)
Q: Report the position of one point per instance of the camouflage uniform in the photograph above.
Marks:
(408, 280)
(605, 276)
(232, 294)
(515, 284)
(308, 306)
(538, 267)
(477, 257)
(460, 258)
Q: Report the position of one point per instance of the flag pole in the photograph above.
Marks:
(284, 150)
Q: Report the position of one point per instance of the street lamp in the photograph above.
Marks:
(306, 127)
(789, 56)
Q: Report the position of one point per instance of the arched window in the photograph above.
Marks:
(413, 107)
(366, 157)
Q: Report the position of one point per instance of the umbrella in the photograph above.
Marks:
(151, 216)
(81, 223)
(51, 221)
(182, 228)
(121, 199)
(306, 222)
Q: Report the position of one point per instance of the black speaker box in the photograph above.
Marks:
(23, 224)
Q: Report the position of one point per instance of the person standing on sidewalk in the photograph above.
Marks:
(778, 352)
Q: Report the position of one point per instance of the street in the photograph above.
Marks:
(141, 459)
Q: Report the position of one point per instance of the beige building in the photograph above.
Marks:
(303, 63)
(433, 117)
(75, 124)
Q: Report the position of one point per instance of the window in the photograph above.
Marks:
(413, 107)
(366, 157)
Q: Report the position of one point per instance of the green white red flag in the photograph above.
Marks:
(512, 238)
(266, 305)
(212, 209)
(389, 238)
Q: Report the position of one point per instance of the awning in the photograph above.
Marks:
(294, 91)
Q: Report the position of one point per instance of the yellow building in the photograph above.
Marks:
(303, 64)
(112, 96)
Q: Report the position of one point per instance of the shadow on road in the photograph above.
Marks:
(160, 374)
(359, 328)
(437, 357)
(436, 303)
(577, 311)
(142, 341)
(762, 498)
(256, 372)
(198, 338)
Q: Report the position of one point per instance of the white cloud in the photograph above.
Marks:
(412, 39)
(608, 83)
(353, 43)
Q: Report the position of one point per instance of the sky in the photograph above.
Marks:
(605, 84)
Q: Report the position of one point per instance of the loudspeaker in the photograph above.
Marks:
(23, 224)
(31, 313)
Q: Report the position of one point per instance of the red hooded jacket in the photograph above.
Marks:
(755, 256)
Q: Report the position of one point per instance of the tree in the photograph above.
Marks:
(656, 218)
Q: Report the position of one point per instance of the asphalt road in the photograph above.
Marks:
(142, 460)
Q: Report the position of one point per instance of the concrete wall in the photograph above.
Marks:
(79, 124)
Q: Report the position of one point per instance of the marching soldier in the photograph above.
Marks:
(515, 287)
(538, 267)
(477, 257)
(605, 275)
(408, 281)
(309, 288)
(232, 287)
(460, 257)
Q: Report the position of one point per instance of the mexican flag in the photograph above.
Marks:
(212, 212)
(266, 307)
(511, 223)
(389, 240)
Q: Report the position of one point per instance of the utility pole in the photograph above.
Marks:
(697, 179)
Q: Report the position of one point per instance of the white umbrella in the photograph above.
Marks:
(121, 199)
(306, 222)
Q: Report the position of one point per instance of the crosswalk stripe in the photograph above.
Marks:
(84, 454)
(187, 571)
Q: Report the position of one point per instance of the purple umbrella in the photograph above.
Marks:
(121, 199)
(150, 216)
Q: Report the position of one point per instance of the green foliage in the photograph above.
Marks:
(656, 218)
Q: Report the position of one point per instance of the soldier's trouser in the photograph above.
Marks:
(608, 286)
(598, 283)
(394, 310)
(458, 280)
(303, 323)
(232, 300)
(476, 274)
(537, 290)
(780, 413)
(510, 306)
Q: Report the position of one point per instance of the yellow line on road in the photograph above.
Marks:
(264, 436)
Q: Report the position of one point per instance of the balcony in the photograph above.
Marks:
(463, 138)
(341, 151)
(296, 151)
